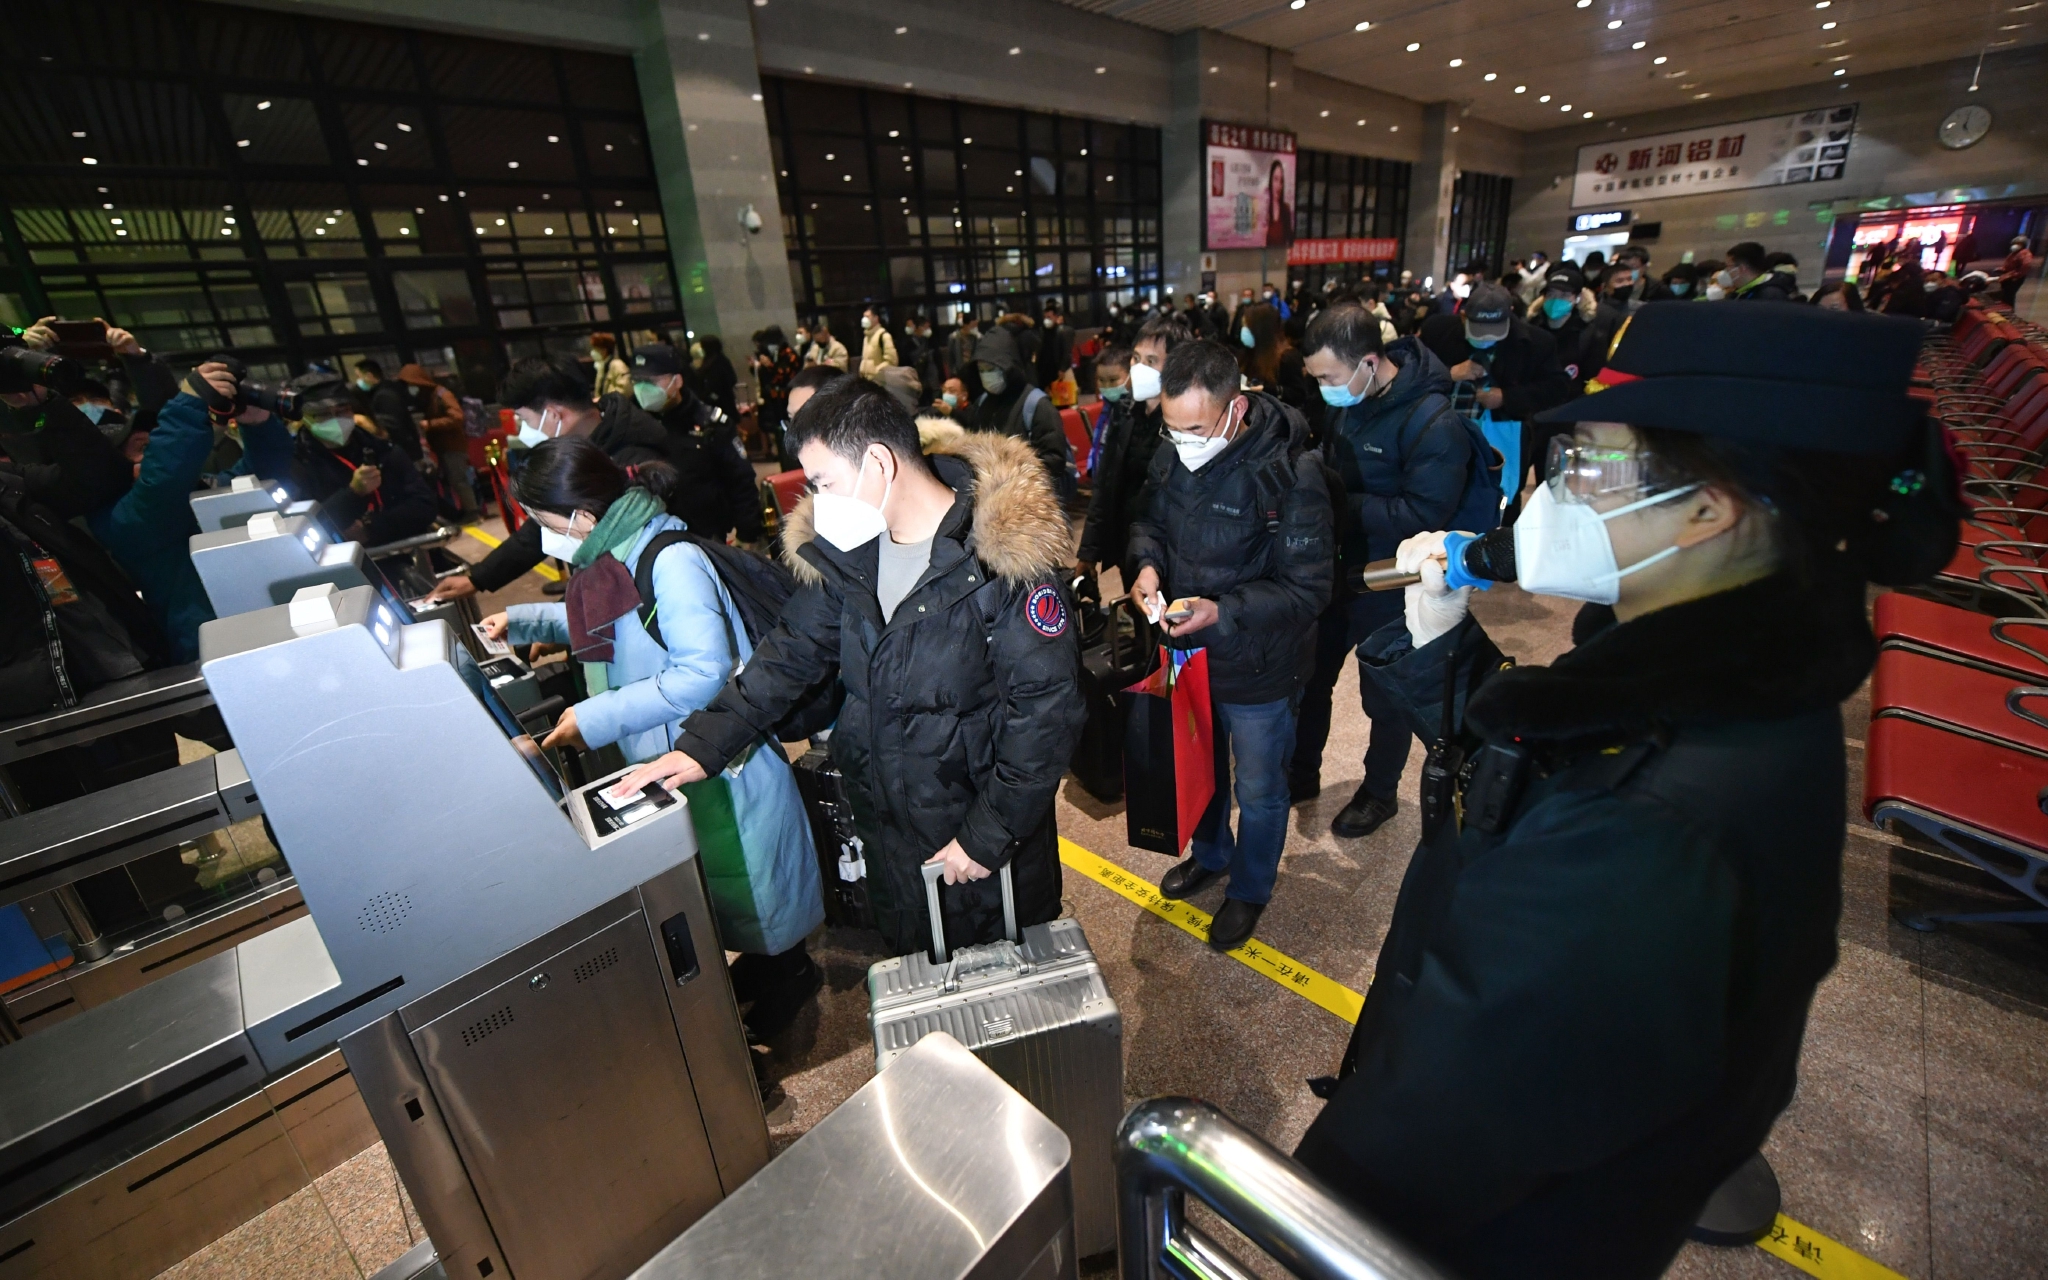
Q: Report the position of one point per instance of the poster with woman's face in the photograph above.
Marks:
(1248, 202)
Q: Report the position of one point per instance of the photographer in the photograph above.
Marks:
(149, 528)
(65, 461)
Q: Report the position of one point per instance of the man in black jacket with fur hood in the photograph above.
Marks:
(930, 575)
(1235, 518)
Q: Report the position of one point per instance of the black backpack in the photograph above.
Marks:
(759, 588)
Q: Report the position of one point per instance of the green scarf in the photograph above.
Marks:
(620, 528)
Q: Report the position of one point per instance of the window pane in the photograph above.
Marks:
(333, 304)
(434, 299)
(645, 286)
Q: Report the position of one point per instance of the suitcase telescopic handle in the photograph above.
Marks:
(932, 872)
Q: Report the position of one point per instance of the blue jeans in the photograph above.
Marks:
(1263, 735)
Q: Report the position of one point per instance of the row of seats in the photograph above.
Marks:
(1958, 745)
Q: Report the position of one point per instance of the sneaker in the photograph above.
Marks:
(778, 1005)
(1234, 924)
(1363, 815)
(1187, 878)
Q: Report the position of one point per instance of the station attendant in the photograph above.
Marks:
(1588, 1009)
(755, 842)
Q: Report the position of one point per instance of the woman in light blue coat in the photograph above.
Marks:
(754, 839)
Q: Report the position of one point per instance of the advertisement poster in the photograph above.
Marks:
(1807, 146)
(1248, 202)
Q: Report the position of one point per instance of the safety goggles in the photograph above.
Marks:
(1581, 471)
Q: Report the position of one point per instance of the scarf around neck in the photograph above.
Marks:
(601, 589)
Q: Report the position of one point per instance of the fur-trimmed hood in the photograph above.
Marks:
(1019, 531)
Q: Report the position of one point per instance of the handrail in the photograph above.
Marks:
(1168, 1148)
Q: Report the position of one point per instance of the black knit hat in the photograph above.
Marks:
(1799, 377)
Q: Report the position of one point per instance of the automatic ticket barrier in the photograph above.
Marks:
(245, 496)
(489, 947)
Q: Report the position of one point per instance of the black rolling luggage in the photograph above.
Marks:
(1124, 655)
(841, 862)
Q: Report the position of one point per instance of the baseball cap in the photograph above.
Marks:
(1488, 312)
(1565, 276)
(656, 360)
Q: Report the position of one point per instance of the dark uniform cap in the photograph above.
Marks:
(1566, 276)
(657, 360)
(1801, 377)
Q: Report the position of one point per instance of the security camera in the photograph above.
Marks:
(751, 220)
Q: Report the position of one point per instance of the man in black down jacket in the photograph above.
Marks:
(1134, 434)
(1236, 519)
(1406, 460)
(963, 700)
(1006, 383)
(715, 487)
(366, 485)
(550, 397)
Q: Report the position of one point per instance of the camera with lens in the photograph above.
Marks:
(23, 369)
(282, 401)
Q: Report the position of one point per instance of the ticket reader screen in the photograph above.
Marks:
(608, 815)
(481, 683)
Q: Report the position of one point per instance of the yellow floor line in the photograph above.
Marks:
(477, 531)
(1794, 1242)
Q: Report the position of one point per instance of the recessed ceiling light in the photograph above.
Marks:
(1585, 4)
(1639, 44)
(1491, 76)
(241, 142)
(1822, 4)
(87, 160)
(2013, 27)
(1521, 88)
(1457, 62)
(1841, 57)
(404, 128)
(903, 31)
(1326, 113)
(1588, 115)
(1393, 128)
(1363, 26)
(1297, 4)
(1703, 95)
(1016, 49)
(1101, 70)
(1361, 122)
(1615, 25)
(1566, 107)
(1841, 71)
(80, 133)
(1659, 61)
(1413, 45)
(263, 105)
(1544, 98)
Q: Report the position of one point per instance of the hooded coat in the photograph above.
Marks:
(1588, 1013)
(1005, 413)
(961, 711)
(1251, 531)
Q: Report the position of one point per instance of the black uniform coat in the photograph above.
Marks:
(1134, 433)
(1208, 536)
(715, 484)
(400, 507)
(961, 711)
(1581, 1024)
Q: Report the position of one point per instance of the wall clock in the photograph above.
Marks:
(1964, 127)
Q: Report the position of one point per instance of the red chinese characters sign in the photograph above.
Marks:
(1809, 146)
(1308, 253)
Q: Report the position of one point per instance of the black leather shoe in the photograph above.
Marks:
(1234, 924)
(1187, 878)
(1363, 815)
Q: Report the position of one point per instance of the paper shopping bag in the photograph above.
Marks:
(1169, 752)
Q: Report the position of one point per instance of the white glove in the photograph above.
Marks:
(1432, 609)
(1408, 557)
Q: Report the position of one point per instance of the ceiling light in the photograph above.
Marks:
(1490, 77)
(226, 231)
(110, 204)
(703, 35)
(1841, 57)
(1326, 113)
(1393, 128)
(115, 221)
(1544, 98)
(2013, 27)
(501, 222)
(121, 232)
(380, 146)
(1521, 88)
(241, 142)
(404, 231)
(1297, 4)
(87, 160)
(1413, 45)
(1659, 60)
(1363, 26)
(894, 132)
(1100, 70)
(1457, 62)
(511, 164)
(263, 105)
(1016, 49)
(1585, 4)
(1840, 71)
(80, 133)
(1822, 4)
(1615, 25)
(1566, 107)
(1361, 122)
(1588, 115)
(903, 31)
(1828, 26)
(1703, 95)
(405, 128)
(966, 142)
(553, 138)
(1639, 44)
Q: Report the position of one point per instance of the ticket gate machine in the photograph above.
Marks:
(245, 496)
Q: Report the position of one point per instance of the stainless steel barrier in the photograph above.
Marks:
(1169, 1148)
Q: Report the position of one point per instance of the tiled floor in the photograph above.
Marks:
(1919, 1136)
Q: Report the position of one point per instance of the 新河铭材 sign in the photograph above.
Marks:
(1806, 146)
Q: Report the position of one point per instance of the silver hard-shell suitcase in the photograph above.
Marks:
(1035, 1009)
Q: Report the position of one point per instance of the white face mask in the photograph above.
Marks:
(1144, 382)
(1196, 451)
(993, 382)
(1562, 548)
(1715, 293)
(844, 520)
(562, 546)
(534, 436)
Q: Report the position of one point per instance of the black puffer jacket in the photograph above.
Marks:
(715, 490)
(1524, 366)
(401, 506)
(1005, 412)
(961, 711)
(1128, 442)
(1585, 1017)
(1214, 534)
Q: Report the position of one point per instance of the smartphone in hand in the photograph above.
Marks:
(81, 339)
